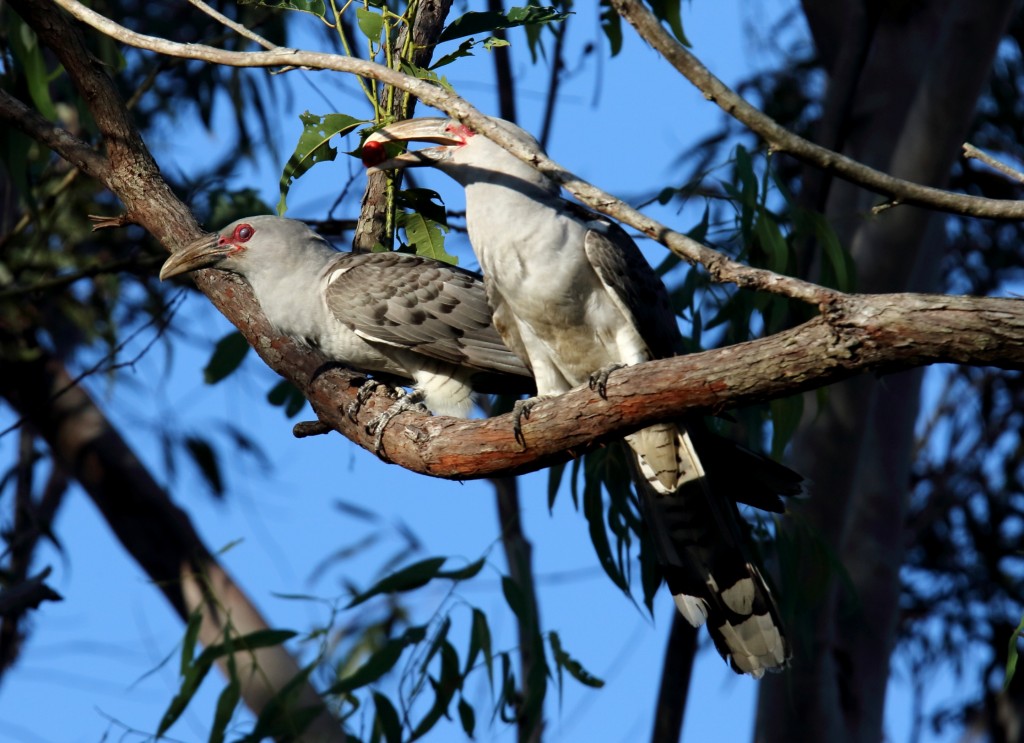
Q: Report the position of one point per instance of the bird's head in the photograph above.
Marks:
(244, 246)
(459, 151)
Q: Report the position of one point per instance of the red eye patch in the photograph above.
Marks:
(374, 154)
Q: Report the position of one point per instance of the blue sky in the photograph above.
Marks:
(93, 663)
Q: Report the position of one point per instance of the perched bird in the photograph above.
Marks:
(419, 321)
(574, 297)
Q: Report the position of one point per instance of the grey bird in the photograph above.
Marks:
(407, 318)
(574, 297)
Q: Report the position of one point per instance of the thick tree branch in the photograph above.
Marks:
(780, 139)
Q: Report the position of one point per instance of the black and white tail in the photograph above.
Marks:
(703, 551)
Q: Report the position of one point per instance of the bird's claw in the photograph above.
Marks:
(599, 379)
(364, 393)
(521, 410)
(407, 402)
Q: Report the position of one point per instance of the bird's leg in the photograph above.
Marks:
(520, 410)
(364, 393)
(408, 401)
(599, 379)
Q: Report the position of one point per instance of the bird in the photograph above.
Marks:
(406, 318)
(573, 296)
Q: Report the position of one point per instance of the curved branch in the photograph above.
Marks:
(720, 267)
(780, 139)
(856, 334)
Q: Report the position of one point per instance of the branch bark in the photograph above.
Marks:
(780, 139)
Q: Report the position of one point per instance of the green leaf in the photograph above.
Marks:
(188, 644)
(515, 598)
(415, 575)
(425, 236)
(669, 12)
(286, 394)
(611, 24)
(574, 667)
(475, 22)
(465, 573)
(593, 511)
(493, 42)
(316, 7)
(190, 682)
(26, 49)
(838, 258)
(370, 23)
(467, 716)
(313, 147)
(379, 663)
(772, 241)
(444, 691)
(281, 718)
(226, 704)
(262, 638)
(480, 641)
(426, 201)
(387, 722)
(555, 473)
(227, 356)
(1012, 654)
(786, 415)
(205, 459)
(465, 50)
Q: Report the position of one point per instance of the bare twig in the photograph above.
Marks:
(238, 28)
(972, 152)
(780, 139)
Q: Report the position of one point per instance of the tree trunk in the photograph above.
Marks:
(913, 104)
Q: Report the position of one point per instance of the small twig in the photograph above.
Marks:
(238, 28)
(973, 153)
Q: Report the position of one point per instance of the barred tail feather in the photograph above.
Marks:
(703, 553)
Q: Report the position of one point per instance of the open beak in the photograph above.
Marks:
(432, 130)
(202, 253)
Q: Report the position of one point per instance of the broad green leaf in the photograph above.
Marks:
(313, 147)
(205, 459)
(425, 236)
(429, 75)
(227, 356)
(316, 7)
(426, 201)
(415, 575)
(493, 42)
(475, 22)
(370, 23)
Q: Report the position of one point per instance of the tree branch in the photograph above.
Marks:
(780, 139)
(721, 268)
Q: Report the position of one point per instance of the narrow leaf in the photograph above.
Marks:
(227, 356)
(470, 571)
(205, 459)
(475, 22)
(573, 666)
(316, 7)
(406, 579)
(388, 721)
(467, 717)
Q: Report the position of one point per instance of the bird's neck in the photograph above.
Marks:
(290, 292)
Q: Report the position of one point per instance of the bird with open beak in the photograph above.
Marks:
(412, 319)
(575, 298)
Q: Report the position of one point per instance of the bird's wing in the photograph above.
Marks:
(631, 282)
(417, 304)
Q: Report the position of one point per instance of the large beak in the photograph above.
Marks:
(432, 130)
(201, 253)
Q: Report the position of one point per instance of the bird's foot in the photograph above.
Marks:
(408, 401)
(520, 411)
(364, 393)
(599, 379)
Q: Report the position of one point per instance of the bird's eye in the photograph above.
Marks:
(243, 232)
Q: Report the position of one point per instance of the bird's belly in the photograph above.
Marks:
(357, 353)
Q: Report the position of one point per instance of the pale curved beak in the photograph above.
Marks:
(432, 130)
(202, 253)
